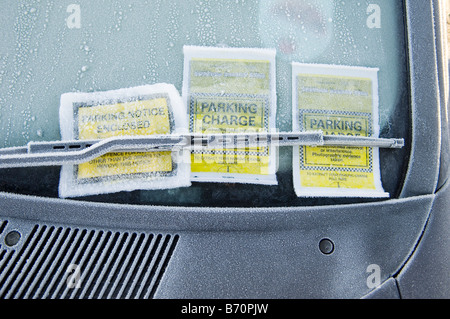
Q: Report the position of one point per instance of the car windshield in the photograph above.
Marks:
(50, 48)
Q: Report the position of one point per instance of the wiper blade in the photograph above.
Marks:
(58, 153)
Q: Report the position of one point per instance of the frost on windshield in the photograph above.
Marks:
(52, 47)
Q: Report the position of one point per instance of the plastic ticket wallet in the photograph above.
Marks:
(338, 100)
(143, 110)
(231, 90)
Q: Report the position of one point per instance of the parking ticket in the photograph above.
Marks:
(338, 100)
(231, 90)
(144, 110)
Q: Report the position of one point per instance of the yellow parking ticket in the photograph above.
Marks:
(231, 90)
(145, 110)
(338, 100)
(140, 117)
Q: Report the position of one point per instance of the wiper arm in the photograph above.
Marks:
(76, 152)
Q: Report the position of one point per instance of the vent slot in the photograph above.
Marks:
(2, 228)
(104, 264)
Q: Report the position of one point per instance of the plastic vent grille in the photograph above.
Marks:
(71, 263)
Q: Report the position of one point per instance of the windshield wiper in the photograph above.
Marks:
(58, 153)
